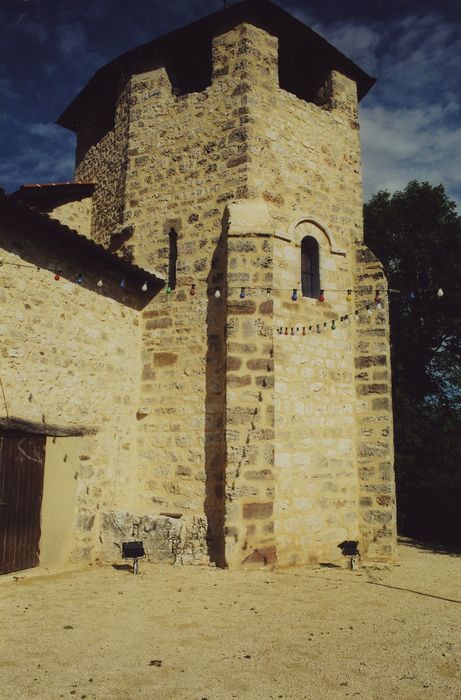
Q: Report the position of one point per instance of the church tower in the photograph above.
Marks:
(226, 159)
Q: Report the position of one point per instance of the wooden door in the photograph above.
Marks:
(22, 459)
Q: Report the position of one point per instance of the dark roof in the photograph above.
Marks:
(68, 243)
(49, 195)
(302, 45)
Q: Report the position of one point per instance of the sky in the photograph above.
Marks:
(410, 120)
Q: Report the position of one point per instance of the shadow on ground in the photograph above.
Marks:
(433, 547)
(122, 567)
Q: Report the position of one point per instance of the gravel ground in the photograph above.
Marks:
(191, 633)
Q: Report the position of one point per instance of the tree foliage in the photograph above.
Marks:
(416, 233)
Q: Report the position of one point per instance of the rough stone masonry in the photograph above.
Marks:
(225, 418)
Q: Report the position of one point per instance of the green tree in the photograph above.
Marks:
(416, 233)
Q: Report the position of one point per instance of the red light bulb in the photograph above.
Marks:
(322, 295)
(193, 290)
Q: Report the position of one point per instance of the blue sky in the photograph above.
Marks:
(410, 121)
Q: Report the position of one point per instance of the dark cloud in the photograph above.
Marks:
(410, 120)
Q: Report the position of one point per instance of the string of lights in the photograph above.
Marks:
(332, 324)
(368, 307)
(79, 279)
(243, 293)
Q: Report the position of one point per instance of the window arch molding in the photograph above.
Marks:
(310, 226)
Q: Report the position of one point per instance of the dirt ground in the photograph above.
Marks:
(202, 633)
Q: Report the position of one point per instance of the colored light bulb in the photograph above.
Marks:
(333, 325)
(286, 331)
(304, 330)
(242, 293)
(294, 296)
(57, 276)
(349, 295)
(79, 278)
(322, 295)
(123, 283)
(377, 297)
(193, 290)
(168, 290)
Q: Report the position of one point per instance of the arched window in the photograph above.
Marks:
(310, 275)
(172, 257)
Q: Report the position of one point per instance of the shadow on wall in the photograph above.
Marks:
(67, 256)
(215, 401)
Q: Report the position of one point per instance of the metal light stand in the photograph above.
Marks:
(133, 550)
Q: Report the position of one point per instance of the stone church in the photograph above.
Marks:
(195, 339)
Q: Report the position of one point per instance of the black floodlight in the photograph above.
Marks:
(350, 550)
(133, 550)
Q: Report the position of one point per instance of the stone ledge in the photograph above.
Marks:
(249, 217)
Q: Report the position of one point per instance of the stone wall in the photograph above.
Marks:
(105, 164)
(297, 456)
(165, 539)
(315, 405)
(250, 477)
(63, 346)
(306, 158)
(186, 160)
(76, 215)
(305, 163)
(375, 449)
